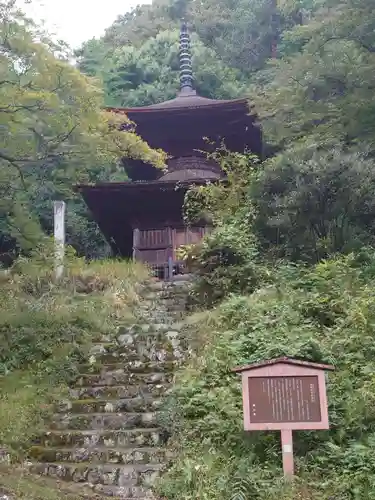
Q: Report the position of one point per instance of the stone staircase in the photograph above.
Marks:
(107, 437)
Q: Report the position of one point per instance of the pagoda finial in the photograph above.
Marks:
(186, 71)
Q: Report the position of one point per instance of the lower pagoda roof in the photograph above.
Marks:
(117, 206)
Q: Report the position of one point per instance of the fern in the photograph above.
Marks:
(243, 489)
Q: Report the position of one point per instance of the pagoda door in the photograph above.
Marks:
(153, 246)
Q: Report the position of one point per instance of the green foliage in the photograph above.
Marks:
(321, 91)
(46, 329)
(150, 73)
(316, 103)
(312, 200)
(139, 24)
(241, 34)
(54, 131)
(310, 204)
(216, 458)
(227, 261)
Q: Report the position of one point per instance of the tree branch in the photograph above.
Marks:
(365, 46)
(13, 162)
(14, 108)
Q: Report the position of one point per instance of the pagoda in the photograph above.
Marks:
(143, 218)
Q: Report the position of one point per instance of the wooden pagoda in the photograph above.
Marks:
(143, 218)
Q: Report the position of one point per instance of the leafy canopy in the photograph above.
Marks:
(54, 131)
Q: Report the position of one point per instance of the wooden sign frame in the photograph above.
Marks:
(284, 394)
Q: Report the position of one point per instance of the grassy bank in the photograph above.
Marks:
(325, 314)
(17, 483)
(45, 332)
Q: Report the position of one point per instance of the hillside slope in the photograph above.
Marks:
(46, 330)
(323, 314)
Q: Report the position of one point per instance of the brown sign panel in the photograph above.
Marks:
(284, 399)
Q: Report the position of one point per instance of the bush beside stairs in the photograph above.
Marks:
(107, 435)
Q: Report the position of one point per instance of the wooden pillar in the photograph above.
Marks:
(287, 452)
(136, 241)
(171, 253)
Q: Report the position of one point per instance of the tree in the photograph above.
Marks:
(323, 93)
(140, 24)
(310, 204)
(238, 35)
(244, 33)
(54, 131)
(150, 73)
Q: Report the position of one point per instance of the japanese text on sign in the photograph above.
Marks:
(284, 399)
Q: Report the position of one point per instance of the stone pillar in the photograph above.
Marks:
(59, 236)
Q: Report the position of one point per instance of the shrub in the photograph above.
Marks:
(311, 203)
(227, 263)
(324, 314)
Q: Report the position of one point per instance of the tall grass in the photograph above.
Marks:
(46, 329)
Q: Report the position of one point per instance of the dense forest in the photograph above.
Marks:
(290, 266)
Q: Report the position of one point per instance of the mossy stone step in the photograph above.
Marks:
(137, 404)
(142, 351)
(106, 436)
(155, 389)
(91, 438)
(144, 331)
(180, 282)
(135, 366)
(126, 476)
(123, 377)
(147, 338)
(162, 299)
(101, 454)
(123, 493)
(97, 421)
(137, 331)
(144, 327)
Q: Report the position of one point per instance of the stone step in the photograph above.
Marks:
(111, 438)
(138, 330)
(126, 359)
(162, 302)
(135, 366)
(118, 391)
(137, 404)
(100, 454)
(180, 282)
(119, 377)
(148, 338)
(126, 476)
(163, 299)
(101, 421)
(142, 351)
(129, 345)
(161, 316)
(145, 327)
(122, 493)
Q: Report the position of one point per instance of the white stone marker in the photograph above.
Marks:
(59, 235)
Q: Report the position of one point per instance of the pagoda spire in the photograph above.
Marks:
(186, 71)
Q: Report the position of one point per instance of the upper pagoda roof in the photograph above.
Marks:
(183, 101)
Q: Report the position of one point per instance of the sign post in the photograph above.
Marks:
(284, 394)
(287, 451)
